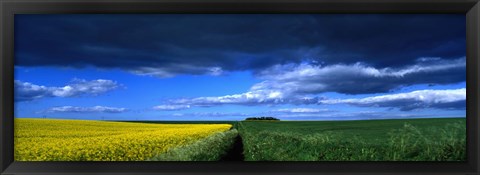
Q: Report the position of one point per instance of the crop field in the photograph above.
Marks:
(366, 140)
(76, 140)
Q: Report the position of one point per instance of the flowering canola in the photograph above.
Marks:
(80, 140)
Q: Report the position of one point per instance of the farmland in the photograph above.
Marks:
(73, 140)
(367, 140)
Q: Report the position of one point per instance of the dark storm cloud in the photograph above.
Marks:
(167, 45)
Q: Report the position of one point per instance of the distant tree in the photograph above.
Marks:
(262, 118)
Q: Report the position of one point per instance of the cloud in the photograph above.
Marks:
(358, 78)
(301, 110)
(171, 107)
(167, 72)
(167, 45)
(442, 99)
(95, 109)
(302, 84)
(452, 99)
(265, 97)
(26, 91)
(211, 114)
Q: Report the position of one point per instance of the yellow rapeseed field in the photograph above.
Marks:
(80, 140)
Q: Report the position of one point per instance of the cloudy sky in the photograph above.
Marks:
(229, 67)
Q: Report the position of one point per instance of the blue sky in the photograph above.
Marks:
(229, 67)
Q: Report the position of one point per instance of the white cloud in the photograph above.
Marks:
(211, 114)
(80, 87)
(95, 109)
(452, 98)
(295, 71)
(444, 99)
(428, 96)
(301, 110)
(171, 107)
(26, 91)
(249, 98)
(219, 114)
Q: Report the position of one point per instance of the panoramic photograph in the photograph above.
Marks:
(240, 87)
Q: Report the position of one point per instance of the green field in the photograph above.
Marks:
(368, 140)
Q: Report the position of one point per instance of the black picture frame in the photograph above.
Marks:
(8, 9)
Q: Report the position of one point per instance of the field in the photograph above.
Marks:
(74, 140)
(368, 140)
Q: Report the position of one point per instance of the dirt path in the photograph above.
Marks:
(236, 153)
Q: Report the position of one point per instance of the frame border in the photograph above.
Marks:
(8, 9)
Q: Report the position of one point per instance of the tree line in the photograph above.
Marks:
(262, 118)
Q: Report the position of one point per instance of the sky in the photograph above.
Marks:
(234, 66)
